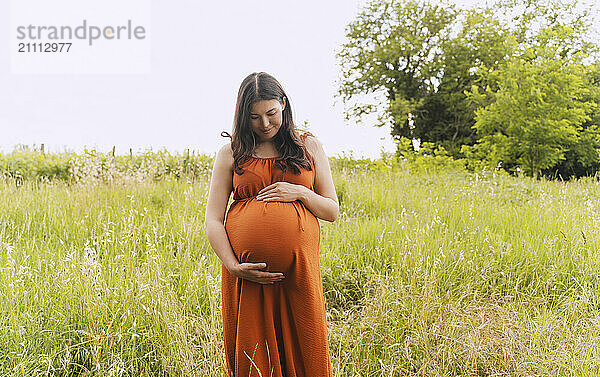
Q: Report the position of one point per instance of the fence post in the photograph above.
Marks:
(42, 149)
(187, 161)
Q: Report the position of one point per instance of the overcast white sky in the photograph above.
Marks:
(200, 52)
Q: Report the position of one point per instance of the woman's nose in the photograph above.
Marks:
(265, 121)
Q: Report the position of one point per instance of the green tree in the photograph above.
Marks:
(526, 18)
(447, 116)
(582, 158)
(421, 56)
(538, 109)
(394, 49)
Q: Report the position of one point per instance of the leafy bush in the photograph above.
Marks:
(428, 158)
(27, 164)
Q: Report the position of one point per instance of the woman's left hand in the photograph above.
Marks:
(281, 191)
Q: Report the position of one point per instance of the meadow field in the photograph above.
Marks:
(428, 271)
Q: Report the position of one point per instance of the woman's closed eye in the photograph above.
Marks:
(255, 117)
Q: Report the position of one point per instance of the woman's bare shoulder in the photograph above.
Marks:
(225, 155)
(226, 150)
(314, 145)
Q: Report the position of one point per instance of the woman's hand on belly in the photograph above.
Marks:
(281, 191)
(252, 272)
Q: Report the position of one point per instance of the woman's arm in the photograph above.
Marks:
(221, 185)
(322, 202)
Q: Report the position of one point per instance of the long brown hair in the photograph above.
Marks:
(259, 86)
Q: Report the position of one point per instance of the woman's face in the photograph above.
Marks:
(266, 118)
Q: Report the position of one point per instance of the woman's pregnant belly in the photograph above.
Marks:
(271, 233)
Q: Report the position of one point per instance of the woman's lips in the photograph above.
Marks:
(266, 132)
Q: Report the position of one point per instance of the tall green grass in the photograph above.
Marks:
(428, 271)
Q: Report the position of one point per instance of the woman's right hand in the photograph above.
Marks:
(252, 272)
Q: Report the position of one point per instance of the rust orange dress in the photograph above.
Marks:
(279, 329)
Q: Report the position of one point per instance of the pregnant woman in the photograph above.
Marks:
(273, 307)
